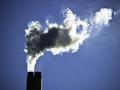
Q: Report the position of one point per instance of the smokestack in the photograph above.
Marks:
(34, 81)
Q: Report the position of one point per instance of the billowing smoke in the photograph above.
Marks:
(66, 37)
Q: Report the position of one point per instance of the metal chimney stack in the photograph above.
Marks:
(34, 81)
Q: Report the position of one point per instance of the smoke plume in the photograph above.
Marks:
(66, 37)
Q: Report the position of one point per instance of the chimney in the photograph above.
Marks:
(34, 81)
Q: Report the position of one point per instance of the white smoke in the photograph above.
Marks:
(117, 13)
(103, 16)
(71, 25)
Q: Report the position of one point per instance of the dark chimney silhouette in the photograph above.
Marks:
(34, 81)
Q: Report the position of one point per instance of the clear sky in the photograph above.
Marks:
(96, 66)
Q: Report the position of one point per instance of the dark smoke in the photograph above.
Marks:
(37, 41)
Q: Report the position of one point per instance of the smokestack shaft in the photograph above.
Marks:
(34, 81)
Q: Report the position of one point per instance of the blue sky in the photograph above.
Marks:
(96, 66)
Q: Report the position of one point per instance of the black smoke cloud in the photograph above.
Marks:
(37, 41)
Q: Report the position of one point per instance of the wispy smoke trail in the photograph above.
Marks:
(60, 38)
(117, 13)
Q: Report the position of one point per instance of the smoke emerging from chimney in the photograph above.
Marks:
(63, 38)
